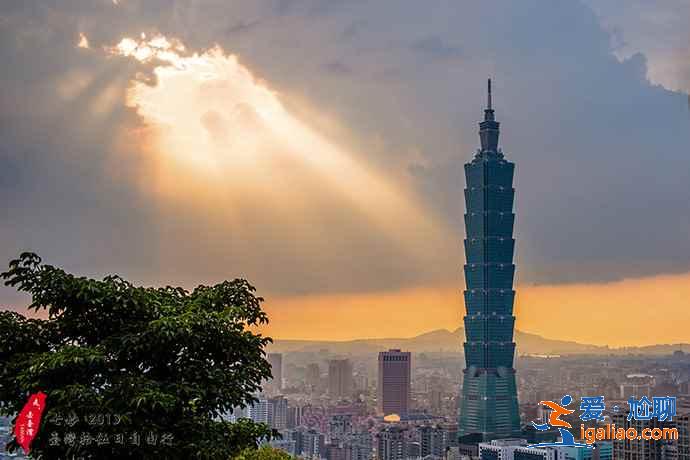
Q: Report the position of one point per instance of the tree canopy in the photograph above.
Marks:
(264, 453)
(132, 372)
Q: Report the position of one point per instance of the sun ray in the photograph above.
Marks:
(216, 132)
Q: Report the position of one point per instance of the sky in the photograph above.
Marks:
(315, 147)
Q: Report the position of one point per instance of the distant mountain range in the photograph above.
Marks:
(442, 340)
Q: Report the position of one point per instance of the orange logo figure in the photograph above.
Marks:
(557, 411)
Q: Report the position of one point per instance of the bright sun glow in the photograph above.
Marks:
(83, 41)
(215, 133)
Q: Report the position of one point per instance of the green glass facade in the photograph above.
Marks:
(489, 404)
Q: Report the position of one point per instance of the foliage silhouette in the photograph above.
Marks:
(115, 359)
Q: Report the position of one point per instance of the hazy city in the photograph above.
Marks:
(327, 404)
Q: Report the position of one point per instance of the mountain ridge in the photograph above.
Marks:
(443, 340)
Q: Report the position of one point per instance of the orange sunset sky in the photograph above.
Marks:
(631, 312)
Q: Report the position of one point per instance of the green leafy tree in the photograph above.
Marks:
(264, 453)
(117, 360)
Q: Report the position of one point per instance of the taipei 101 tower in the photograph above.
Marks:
(489, 405)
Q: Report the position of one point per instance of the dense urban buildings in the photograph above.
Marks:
(489, 404)
(315, 425)
(394, 382)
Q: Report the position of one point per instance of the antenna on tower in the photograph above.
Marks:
(489, 86)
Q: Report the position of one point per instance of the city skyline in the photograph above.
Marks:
(354, 426)
(265, 229)
(185, 143)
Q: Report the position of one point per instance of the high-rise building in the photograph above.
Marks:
(275, 385)
(436, 401)
(259, 411)
(236, 413)
(391, 443)
(287, 445)
(340, 426)
(278, 412)
(313, 377)
(294, 416)
(361, 444)
(638, 385)
(361, 380)
(394, 382)
(414, 451)
(489, 404)
(516, 449)
(603, 450)
(431, 439)
(312, 444)
(340, 378)
(683, 426)
(338, 452)
(437, 439)
(271, 411)
(638, 449)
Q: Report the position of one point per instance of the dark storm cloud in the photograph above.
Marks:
(603, 175)
(243, 27)
(338, 68)
(437, 48)
(56, 199)
(600, 151)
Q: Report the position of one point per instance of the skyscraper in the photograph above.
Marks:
(394, 382)
(275, 385)
(340, 378)
(489, 404)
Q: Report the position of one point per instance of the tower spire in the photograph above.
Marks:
(489, 99)
(489, 128)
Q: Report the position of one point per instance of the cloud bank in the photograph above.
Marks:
(327, 157)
